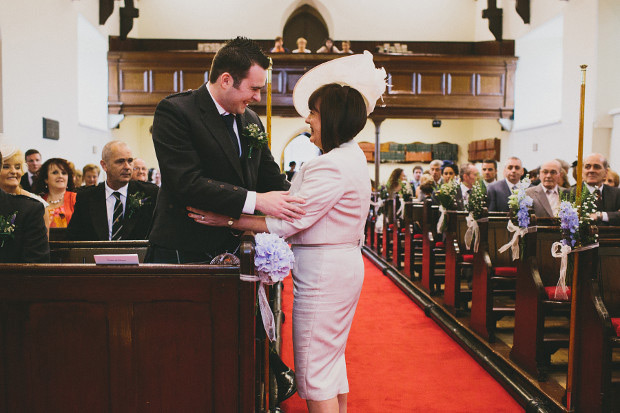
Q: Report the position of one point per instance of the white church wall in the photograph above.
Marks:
(40, 77)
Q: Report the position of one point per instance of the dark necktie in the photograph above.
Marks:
(117, 217)
(229, 120)
(599, 199)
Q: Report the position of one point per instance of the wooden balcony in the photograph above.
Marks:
(420, 85)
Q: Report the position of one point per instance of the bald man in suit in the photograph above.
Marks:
(498, 192)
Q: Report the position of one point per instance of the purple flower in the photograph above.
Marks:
(569, 223)
(273, 258)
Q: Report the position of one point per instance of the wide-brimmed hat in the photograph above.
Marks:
(357, 71)
(8, 150)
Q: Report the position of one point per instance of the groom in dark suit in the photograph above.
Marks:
(203, 149)
(117, 209)
(498, 192)
(23, 235)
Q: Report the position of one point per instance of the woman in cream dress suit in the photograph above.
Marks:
(329, 271)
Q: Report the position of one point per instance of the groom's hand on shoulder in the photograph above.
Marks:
(280, 204)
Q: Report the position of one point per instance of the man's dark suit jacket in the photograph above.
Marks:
(90, 216)
(497, 196)
(25, 182)
(200, 168)
(611, 202)
(29, 243)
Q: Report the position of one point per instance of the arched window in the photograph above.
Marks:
(308, 23)
(299, 149)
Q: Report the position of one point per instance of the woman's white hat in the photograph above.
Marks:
(8, 151)
(357, 71)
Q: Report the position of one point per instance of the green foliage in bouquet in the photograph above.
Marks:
(446, 195)
(477, 199)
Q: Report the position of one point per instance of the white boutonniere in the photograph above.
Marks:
(255, 137)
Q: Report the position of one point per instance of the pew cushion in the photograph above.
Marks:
(551, 293)
(506, 271)
(616, 323)
(418, 236)
(468, 257)
(439, 244)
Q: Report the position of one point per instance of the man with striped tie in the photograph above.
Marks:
(117, 209)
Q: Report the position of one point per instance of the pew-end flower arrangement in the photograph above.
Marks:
(273, 261)
(446, 195)
(7, 227)
(405, 192)
(519, 203)
(255, 138)
(575, 226)
(476, 203)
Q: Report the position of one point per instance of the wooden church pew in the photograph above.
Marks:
(433, 250)
(389, 218)
(494, 275)
(83, 252)
(537, 278)
(412, 243)
(458, 257)
(90, 338)
(597, 385)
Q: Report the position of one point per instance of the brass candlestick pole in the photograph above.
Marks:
(268, 104)
(570, 378)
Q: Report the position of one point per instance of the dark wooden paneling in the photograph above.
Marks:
(86, 338)
(421, 86)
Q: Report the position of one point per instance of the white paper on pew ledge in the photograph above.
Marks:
(117, 259)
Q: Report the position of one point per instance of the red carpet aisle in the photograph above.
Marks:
(399, 360)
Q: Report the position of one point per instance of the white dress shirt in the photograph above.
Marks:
(604, 216)
(110, 200)
(465, 191)
(250, 201)
(553, 196)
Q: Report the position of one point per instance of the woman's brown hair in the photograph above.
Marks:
(343, 113)
(40, 187)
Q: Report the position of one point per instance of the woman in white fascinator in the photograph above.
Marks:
(335, 98)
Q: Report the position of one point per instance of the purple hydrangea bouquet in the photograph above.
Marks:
(519, 203)
(273, 261)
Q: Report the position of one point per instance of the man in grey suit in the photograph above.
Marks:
(498, 192)
(595, 168)
(548, 194)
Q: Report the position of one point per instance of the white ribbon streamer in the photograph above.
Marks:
(265, 310)
(559, 250)
(473, 232)
(514, 242)
(442, 218)
(401, 209)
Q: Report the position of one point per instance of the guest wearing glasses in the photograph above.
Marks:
(548, 194)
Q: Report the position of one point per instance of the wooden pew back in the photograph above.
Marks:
(493, 234)
(83, 252)
(95, 338)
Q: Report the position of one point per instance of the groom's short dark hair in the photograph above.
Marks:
(236, 58)
(343, 113)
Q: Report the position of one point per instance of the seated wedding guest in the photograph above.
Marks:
(435, 171)
(563, 182)
(448, 171)
(426, 188)
(498, 192)
(595, 169)
(415, 181)
(534, 176)
(328, 47)
(91, 174)
(329, 270)
(77, 175)
(23, 235)
(395, 182)
(346, 47)
(55, 184)
(278, 46)
(612, 178)
(469, 174)
(140, 171)
(11, 174)
(119, 208)
(33, 161)
(489, 171)
(291, 170)
(301, 46)
(548, 194)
